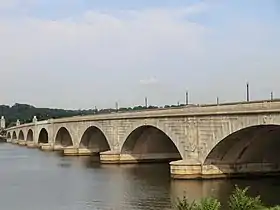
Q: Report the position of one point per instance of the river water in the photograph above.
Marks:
(32, 179)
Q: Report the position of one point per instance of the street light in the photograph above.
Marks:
(247, 92)
(117, 106)
(146, 102)
(187, 98)
(271, 96)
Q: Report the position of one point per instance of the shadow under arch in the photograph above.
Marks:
(14, 135)
(9, 135)
(21, 135)
(43, 136)
(95, 140)
(29, 135)
(148, 143)
(63, 138)
(255, 144)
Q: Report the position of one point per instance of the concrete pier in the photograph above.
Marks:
(85, 152)
(71, 151)
(14, 141)
(22, 142)
(46, 147)
(183, 170)
(148, 158)
(109, 157)
(58, 148)
(31, 144)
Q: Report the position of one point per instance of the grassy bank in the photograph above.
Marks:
(239, 200)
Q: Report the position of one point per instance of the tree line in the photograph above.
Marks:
(26, 112)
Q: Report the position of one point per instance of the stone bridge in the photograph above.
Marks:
(206, 141)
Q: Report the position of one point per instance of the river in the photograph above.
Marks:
(32, 179)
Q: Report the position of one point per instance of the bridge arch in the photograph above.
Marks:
(148, 141)
(253, 144)
(43, 136)
(95, 140)
(9, 135)
(63, 138)
(14, 136)
(30, 135)
(20, 135)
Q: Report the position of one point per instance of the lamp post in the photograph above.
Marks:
(247, 92)
(117, 106)
(146, 102)
(187, 98)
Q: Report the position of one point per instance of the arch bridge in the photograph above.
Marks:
(206, 141)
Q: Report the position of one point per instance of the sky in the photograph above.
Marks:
(78, 54)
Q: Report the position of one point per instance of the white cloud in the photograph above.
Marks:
(95, 58)
(86, 47)
(149, 81)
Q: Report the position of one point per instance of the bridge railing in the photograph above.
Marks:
(192, 109)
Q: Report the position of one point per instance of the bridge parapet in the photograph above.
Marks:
(187, 111)
(236, 109)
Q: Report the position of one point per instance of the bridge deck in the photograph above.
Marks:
(191, 111)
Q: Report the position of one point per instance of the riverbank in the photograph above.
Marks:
(239, 200)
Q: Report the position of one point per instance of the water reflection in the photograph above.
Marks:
(222, 189)
(40, 180)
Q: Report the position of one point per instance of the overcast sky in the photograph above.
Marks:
(86, 53)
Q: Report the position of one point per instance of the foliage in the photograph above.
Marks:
(239, 200)
(204, 204)
(274, 208)
(184, 204)
(25, 112)
(208, 204)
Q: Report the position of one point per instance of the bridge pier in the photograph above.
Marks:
(110, 157)
(22, 142)
(72, 151)
(31, 144)
(45, 147)
(182, 169)
(58, 148)
(85, 152)
(149, 158)
(14, 141)
(194, 170)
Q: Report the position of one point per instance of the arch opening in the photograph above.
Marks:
(9, 135)
(63, 138)
(149, 144)
(43, 136)
(29, 135)
(255, 144)
(94, 140)
(20, 135)
(14, 135)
